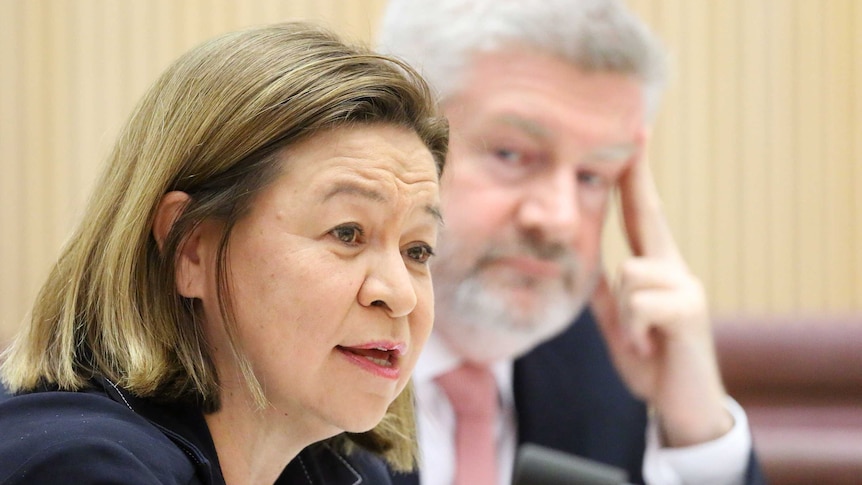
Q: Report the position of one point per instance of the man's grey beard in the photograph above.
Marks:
(483, 326)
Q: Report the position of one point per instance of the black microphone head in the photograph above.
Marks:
(537, 465)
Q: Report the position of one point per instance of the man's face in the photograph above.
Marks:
(536, 148)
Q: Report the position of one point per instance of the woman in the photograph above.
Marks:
(251, 277)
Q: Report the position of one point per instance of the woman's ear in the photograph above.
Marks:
(190, 273)
(169, 210)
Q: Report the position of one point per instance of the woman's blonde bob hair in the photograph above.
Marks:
(211, 127)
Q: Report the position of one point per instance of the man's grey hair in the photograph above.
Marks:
(438, 37)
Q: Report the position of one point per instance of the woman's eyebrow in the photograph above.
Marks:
(350, 188)
(355, 189)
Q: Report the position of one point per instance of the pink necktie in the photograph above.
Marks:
(472, 392)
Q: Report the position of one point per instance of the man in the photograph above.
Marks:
(550, 105)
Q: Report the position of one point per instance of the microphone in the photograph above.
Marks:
(537, 465)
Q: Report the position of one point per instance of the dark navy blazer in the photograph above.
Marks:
(569, 397)
(105, 435)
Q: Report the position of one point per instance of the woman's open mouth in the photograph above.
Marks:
(381, 360)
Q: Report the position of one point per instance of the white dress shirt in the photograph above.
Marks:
(719, 462)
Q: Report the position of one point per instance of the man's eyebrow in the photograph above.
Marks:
(528, 126)
(435, 212)
(619, 152)
(372, 195)
(613, 153)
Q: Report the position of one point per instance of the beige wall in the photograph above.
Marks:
(756, 148)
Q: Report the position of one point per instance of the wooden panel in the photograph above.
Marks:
(838, 131)
(855, 157)
(11, 167)
(808, 147)
(694, 71)
(36, 138)
(780, 189)
(670, 176)
(752, 177)
(725, 166)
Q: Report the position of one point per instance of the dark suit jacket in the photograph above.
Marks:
(569, 397)
(106, 435)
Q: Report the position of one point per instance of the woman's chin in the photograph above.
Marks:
(361, 424)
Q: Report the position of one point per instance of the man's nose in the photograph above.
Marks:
(550, 206)
(389, 285)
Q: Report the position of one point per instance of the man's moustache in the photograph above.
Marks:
(556, 253)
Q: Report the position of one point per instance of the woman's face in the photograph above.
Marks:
(329, 277)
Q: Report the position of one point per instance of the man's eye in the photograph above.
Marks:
(509, 156)
(348, 234)
(420, 253)
(591, 178)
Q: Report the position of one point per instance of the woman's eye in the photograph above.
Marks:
(420, 253)
(348, 234)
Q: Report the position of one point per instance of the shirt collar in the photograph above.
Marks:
(437, 358)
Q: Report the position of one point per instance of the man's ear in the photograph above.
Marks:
(190, 273)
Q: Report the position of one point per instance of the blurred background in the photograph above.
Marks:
(757, 146)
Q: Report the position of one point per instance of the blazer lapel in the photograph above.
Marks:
(569, 397)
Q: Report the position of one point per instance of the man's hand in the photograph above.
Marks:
(656, 322)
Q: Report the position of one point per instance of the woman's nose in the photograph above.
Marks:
(389, 285)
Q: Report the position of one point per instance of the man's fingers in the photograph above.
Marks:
(644, 313)
(646, 227)
(657, 307)
(603, 304)
(616, 327)
(645, 273)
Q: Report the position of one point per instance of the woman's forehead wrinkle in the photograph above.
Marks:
(351, 188)
(371, 186)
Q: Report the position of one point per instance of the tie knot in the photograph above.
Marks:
(471, 390)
